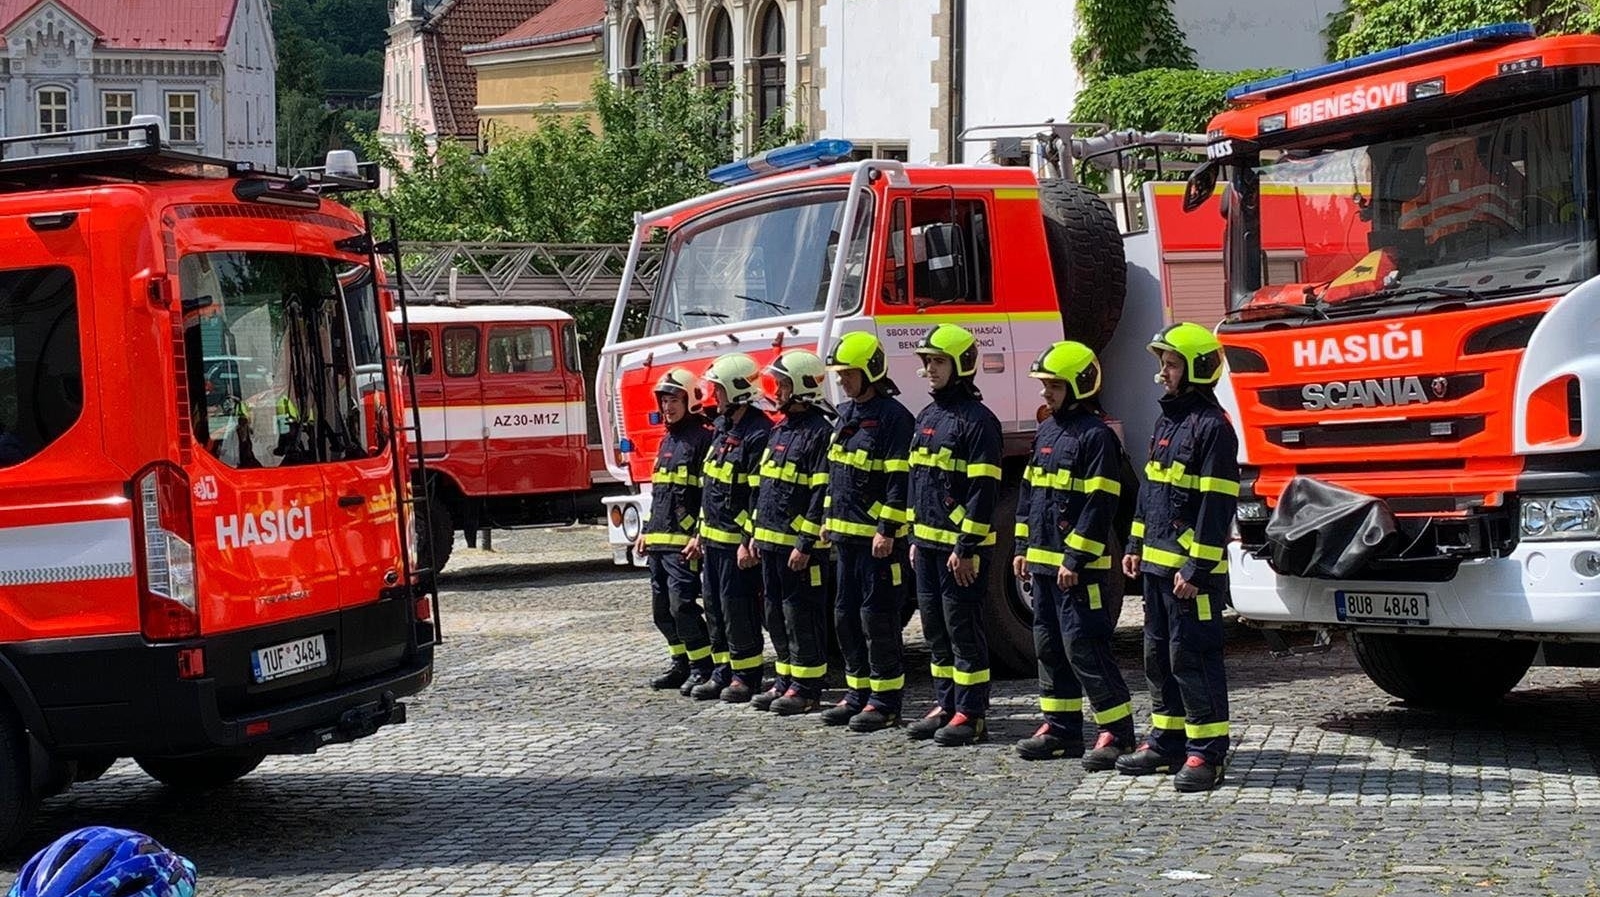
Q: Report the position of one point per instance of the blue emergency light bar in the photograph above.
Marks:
(784, 158)
(1391, 58)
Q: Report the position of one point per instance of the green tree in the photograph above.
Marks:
(1367, 26)
(1120, 37)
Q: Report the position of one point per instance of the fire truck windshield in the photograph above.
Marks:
(766, 258)
(1497, 207)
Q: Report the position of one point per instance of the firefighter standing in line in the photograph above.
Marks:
(675, 486)
(732, 585)
(1179, 552)
(1065, 511)
(866, 520)
(955, 473)
(788, 534)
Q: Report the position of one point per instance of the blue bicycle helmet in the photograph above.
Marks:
(100, 861)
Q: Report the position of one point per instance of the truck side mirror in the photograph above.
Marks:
(943, 276)
(1201, 184)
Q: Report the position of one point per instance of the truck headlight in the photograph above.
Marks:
(1548, 518)
(630, 523)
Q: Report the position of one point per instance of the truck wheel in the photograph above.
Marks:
(199, 773)
(1087, 260)
(1437, 671)
(441, 535)
(17, 800)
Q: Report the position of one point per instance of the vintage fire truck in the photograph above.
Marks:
(791, 255)
(1418, 395)
(203, 501)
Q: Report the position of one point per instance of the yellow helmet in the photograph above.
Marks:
(860, 351)
(1072, 362)
(681, 381)
(1199, 347)
(804, 371)
(956, 343)
(736, 373)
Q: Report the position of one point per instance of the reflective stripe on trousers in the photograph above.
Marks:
(952, 622)
(1183, 666)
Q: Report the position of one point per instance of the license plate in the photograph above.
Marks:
(1396, 608)
(289, 658)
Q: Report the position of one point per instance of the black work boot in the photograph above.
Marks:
(840, 713)
(737, 692)
(923, 729)
(763, 701)
(1107, 750)
(1048, 743)
(1197, 775)
(1146, 761)
(961, 731)
(672, 676)
(696, 679)
(873, 719)
(793, 704)
(709, 689)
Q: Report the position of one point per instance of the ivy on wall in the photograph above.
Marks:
(1367, 26)
(1120, 37)
(1162, 99)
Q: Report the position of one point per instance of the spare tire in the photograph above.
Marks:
(1086, 260)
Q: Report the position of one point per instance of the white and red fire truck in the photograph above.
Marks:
(1418, 394)
(203, 506)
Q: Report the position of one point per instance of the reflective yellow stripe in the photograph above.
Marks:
(835, 525)
(816, 672)
(974, 528)
(722, 472)
(753, 480)
(1095, 602)
(895, 573)
(677, 650)
(746, 663)
(1202, 607)
(1166, 723)
(1163, 558)
(1112, 714)
(939, 672)
(976, 677)
(653, 539)
(1220, 485)
(675, 477)
(1016, 193)
(881, 511)
(858, 459)
(897, 465)
(1061, 705)
(886, 685)
(771, 535)
(1201, 550)
(1021, 531)
(933, 534)
(802, 525)
(1102, 562)
(1087, 546)
(816, 575)
(721, 536)
(1172, 475)
(983, 470)
(860, 682)
(686, 522)
(1206, 730)
(1041, 556)
(1101, 484)
(719, 657)
(1138, 529)
(700, 653)
(942, 459)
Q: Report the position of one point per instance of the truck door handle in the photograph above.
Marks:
(350, 501)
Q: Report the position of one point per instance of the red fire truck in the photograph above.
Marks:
(202, 505)
(790, 255)
(1418, 396)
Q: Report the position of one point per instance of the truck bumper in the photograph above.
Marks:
(625, 515)
(1540, 589)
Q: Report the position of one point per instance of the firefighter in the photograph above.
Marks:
(955, 472)
(675, 487)
(732, 585)
(1178, 551)
(866, 523)
(788, 534)
(1065, 510)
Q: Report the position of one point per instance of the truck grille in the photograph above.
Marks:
(1415, 431)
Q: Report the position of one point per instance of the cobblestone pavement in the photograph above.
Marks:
(539, 765)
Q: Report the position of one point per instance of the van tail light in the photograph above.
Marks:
(167, 599)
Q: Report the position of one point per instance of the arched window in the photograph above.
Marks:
(675, 43)
(633, 53)
(770, 88)
(719, 43)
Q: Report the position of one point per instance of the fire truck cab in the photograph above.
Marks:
(203, 502)
(1419, 400)
(790, 255)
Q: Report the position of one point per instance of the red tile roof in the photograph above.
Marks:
(141, 24)
(559, 24)
(452, 86)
